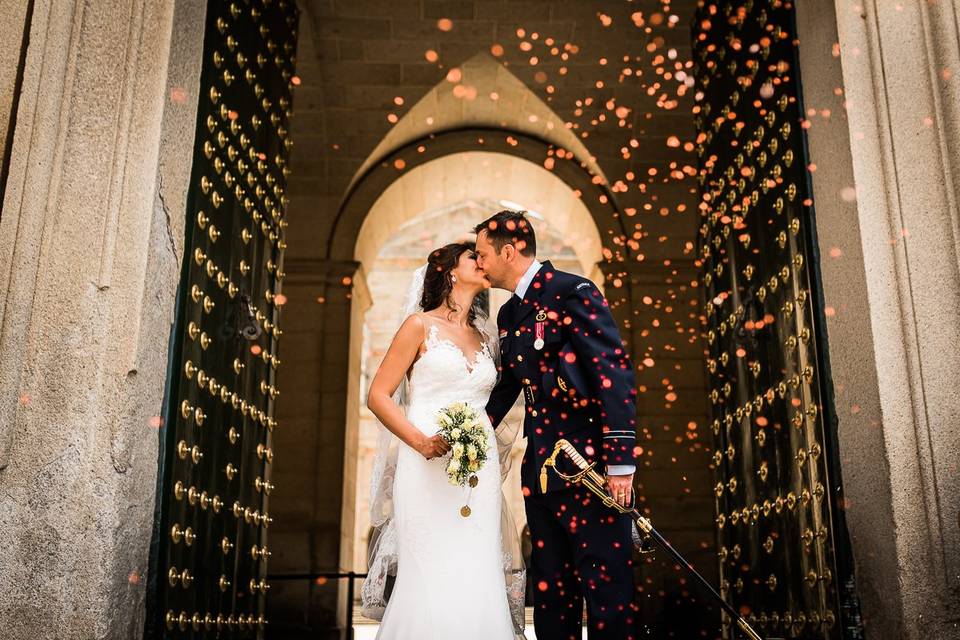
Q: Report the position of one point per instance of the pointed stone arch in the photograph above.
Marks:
(487, 109)
(486, 96)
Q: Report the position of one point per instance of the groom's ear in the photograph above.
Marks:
(508, 252)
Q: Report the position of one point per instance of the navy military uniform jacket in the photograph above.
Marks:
(578, 385)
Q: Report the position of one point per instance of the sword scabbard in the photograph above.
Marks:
(748, 630)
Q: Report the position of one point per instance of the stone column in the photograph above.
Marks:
(88, 269)
(882, 97)
(316, 440)
(14, 25)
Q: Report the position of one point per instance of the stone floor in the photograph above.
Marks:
(364, 629)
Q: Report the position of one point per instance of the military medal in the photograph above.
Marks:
(541, 318)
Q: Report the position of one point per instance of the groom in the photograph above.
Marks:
(560, 346)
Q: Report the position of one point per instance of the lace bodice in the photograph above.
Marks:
(444, 374)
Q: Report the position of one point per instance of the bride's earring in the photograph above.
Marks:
(454, 278)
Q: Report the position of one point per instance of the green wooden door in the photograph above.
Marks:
(212, 542)
(784, 555)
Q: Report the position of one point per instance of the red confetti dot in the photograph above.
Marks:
(542, 585)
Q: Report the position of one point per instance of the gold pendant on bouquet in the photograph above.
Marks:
(465, 510)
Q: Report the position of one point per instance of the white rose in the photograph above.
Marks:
(454, 466)
(471, 452)
(457, 449)
(455, 433)
(474, 465)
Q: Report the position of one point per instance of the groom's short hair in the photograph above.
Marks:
(510, 227)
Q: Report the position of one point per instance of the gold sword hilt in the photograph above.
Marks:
(587, 476)
(586, 469)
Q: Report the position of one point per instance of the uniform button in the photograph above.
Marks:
(534, 413)
(526, 381)
(517, 333)
(519, 358)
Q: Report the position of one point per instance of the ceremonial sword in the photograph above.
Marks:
(592, 480)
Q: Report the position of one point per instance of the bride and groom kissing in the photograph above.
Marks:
(452, 546)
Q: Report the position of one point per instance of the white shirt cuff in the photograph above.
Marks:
(620, 469)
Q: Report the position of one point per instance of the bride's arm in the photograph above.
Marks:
(401, 354)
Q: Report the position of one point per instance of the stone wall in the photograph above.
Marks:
(881, 93)
(90, 254)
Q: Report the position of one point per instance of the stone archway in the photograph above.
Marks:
(329, 295)
(549, 169)
(454, 145)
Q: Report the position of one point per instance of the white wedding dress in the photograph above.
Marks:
(450, 568)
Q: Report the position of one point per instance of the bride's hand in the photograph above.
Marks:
(432, 446)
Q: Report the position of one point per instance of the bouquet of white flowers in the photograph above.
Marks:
(461, 427)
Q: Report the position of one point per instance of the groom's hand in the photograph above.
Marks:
(621, 488)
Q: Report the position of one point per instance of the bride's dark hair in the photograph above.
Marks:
(438, 281)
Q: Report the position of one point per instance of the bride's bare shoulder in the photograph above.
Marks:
(413, 329)
(412, 323)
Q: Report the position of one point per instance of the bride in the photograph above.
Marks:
(457, 573)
